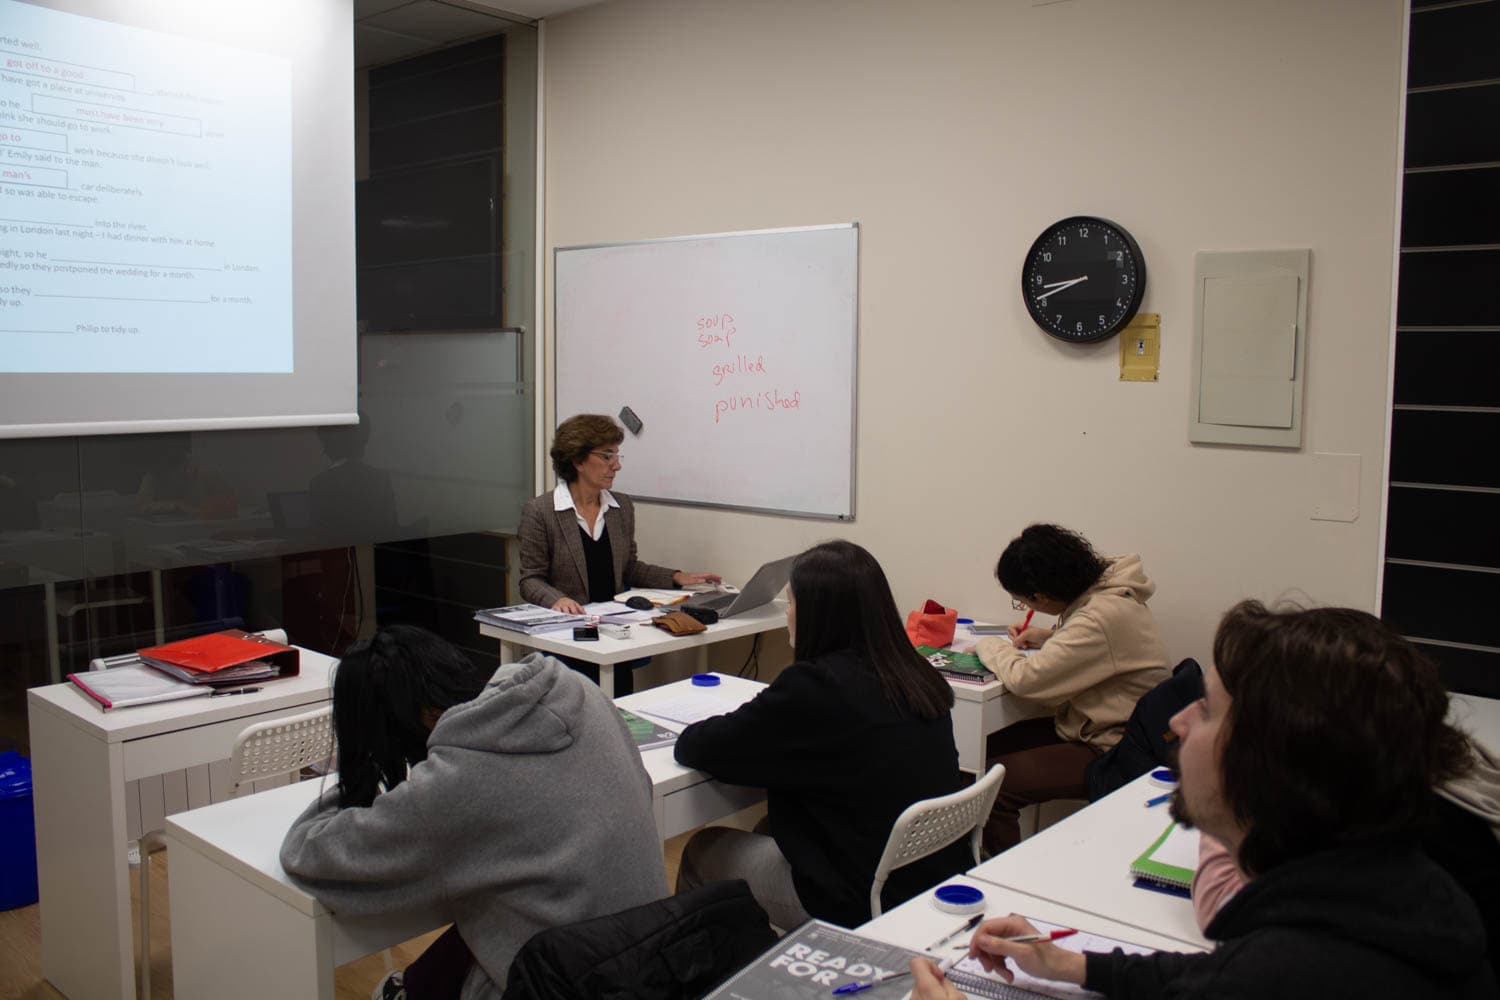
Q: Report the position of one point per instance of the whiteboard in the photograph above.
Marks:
(738, 353)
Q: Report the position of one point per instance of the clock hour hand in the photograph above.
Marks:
(1058, 286)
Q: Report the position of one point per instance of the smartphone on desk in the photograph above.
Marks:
(585, 633)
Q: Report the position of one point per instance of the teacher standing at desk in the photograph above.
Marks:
(578, 541)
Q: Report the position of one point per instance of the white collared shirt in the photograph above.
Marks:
(562, 499)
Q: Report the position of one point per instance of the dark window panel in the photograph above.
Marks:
(1454, 45)
(477, 79)
(1448, 604)
(1448, 368)
(1451, 208)
(1456, 288)
(1443, 526)
(1448, 449)
(1467, 671)
(436, 61)
(438, 211)
(469, 584)
(1453, 126)
(481, 547)
(461, 134)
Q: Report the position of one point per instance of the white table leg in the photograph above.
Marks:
(969, 735)
(88, 949)
(273, 950)
(607, 679)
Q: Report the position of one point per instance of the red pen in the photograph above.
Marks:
(1049, 936)
(1027, 623)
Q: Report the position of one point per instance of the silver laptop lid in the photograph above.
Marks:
(762, 588)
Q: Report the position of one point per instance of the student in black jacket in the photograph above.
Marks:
(1311, 756)
(854, 731)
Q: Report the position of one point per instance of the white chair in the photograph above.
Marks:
(264, 750)
(932, 824)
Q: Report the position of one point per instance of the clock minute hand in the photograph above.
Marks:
(1058, 286)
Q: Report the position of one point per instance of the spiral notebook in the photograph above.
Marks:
(969, 976)
(1170, 860)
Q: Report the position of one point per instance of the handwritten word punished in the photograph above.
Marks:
(716, 330)
(741, 365)
(769, 400)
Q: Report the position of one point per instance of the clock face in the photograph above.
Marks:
(1083, 279)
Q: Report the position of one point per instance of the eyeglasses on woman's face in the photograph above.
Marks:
(610, 457)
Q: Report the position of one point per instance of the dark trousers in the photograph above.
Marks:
(440, 971)
(1039, 766)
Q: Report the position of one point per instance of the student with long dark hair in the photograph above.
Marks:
(491, 799)
(854, 731)
(1091, 669)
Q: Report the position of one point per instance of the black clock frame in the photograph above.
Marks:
(1089, 335)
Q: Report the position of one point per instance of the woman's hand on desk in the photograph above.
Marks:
(1028, 638)
(567, 606)
(1042, 959)
(690, 579)
(929, 983)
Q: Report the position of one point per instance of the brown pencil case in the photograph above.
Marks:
(678, 623)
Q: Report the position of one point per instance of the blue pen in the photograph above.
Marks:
(861, 985)
(1164, 796)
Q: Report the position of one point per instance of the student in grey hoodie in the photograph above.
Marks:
(525, 806)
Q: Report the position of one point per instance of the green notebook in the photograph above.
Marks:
(964, 666)
(1171, 860)
(647, 734)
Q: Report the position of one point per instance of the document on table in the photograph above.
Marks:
(686, 709)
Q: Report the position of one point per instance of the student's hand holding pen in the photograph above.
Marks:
(1014, 938)
(1029, 638)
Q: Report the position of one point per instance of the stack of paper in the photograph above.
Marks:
(528, 618)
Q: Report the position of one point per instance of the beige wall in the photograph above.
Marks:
(954, 132)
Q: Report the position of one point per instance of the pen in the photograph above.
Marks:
(1164, 796)
(864, 984)
(1048, 936)
(235, 691)
(1027, 623)
(969, 925)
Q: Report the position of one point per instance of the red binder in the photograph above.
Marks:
(208, 654)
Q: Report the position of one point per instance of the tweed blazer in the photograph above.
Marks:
(552, 560)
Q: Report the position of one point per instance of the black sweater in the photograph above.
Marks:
(1370, 922)
(839, 762)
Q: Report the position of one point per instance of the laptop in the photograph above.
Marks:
(762, 589)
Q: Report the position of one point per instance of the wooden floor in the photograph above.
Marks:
(21, 943)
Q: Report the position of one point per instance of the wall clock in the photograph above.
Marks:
(1083, 279)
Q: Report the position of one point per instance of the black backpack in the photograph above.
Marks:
(1148, 741)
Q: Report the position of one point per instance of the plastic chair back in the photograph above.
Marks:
(932, 824)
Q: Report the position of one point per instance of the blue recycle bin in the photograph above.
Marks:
(17, 833)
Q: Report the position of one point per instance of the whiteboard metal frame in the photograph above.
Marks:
(853, 375)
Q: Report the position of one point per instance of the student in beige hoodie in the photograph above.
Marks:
(1103, 654)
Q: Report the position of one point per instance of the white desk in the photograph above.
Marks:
(917, 924)
(81, 761)
(240, 928)
(982, 709)
(682, 797)
(645, 640)
(1084, 862)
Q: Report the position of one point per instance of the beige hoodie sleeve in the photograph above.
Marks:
(1074, 659)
